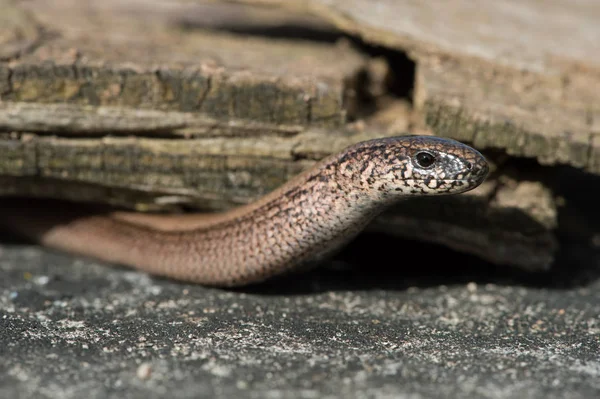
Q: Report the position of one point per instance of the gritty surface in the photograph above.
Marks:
(72, 328)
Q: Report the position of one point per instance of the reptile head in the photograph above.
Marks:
(414, 165)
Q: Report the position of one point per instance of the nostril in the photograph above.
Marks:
(469, 166)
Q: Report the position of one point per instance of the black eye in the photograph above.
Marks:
(424, 159)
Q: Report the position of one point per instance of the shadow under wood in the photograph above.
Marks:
(380, 261)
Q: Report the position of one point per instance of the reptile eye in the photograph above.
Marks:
(424, 159)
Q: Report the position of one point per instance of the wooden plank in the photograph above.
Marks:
(112, 59)
(519, 75)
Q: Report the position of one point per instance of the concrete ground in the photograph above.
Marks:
(372, 324)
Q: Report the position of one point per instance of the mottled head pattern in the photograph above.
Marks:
(413, 165)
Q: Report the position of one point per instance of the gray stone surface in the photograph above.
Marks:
(439, 325)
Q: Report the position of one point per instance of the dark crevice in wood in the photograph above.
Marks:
(295, 32)
(9, 83)
(401, 77)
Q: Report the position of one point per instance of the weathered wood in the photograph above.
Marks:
(78, 120)
(18, 33)
(113, 59)
(522, 76)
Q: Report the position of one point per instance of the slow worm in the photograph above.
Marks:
(303, 221)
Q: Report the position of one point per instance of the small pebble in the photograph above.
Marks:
(144, 371)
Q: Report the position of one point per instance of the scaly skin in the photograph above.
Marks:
(302, 221)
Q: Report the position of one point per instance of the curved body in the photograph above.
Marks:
(306, 218)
